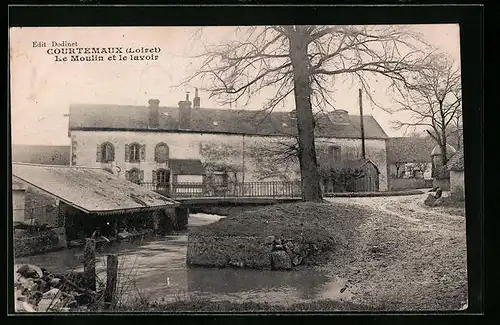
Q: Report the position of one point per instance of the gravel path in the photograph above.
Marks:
(407, 257)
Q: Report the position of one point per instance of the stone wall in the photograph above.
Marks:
(41, 206)
(255, 252)
(457, 184)
(46, 241)
(398, 184)
(443, 183)
(224, 251)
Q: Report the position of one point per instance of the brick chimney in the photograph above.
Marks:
(185, 113)
(339, 116)
(196, 99)
(153, 113)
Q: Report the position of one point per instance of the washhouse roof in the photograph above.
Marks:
(91, 190)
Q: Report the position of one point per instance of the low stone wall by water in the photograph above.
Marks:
(42, 242)
(252, 252)
(223, 251)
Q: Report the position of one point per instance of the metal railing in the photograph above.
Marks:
(229, 189)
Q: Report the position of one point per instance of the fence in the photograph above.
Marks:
(230, 189)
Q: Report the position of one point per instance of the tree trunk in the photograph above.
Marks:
(305, 121)
(444, 154)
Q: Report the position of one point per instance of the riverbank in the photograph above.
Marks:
(397, 254)
(400, 256)
(407, 257)
(203, 305)
(307, 233)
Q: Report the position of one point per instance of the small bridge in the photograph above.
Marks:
(196, 194)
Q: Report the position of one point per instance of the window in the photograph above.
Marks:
(334, 153)
(105, 152)
(135, 175)
(221, 178)
(161, 153)
(161, 177)
(134, 152)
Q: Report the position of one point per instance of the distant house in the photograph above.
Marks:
(409, 162)
(79, 200)
(457, 180)
(41, 154)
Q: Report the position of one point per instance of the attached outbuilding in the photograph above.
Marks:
(79, 201)
(358, 175)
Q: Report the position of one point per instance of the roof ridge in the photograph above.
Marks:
(58, 166)
(253, 110)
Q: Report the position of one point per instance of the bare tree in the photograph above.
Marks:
(305, 61)
(457, 129)
(434, 100)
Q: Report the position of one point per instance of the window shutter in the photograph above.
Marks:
(127, 153)
(338, 154)
(98, 153)
(143, 152)
(141, 175)
(320, 156)
(154, 176)
(112, 154)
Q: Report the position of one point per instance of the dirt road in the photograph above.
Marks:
(408, 256)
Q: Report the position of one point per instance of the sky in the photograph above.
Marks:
(42, 88)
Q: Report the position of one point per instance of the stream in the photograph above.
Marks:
(156, 270)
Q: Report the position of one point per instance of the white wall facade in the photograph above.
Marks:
(18, 204)
(247, 155)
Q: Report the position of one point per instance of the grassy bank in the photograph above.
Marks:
(319, 231)
(203, 305)
(375, 194)
(408, 257)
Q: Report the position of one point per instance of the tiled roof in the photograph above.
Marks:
(409, 149)
(456, 162)
(450, 150)
(91, 190)
(88, 116)
(186, 167)
(41, 154)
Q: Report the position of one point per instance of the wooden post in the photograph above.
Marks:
(115, 226)
(362, 124)
(111, 280)
(89, 263)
